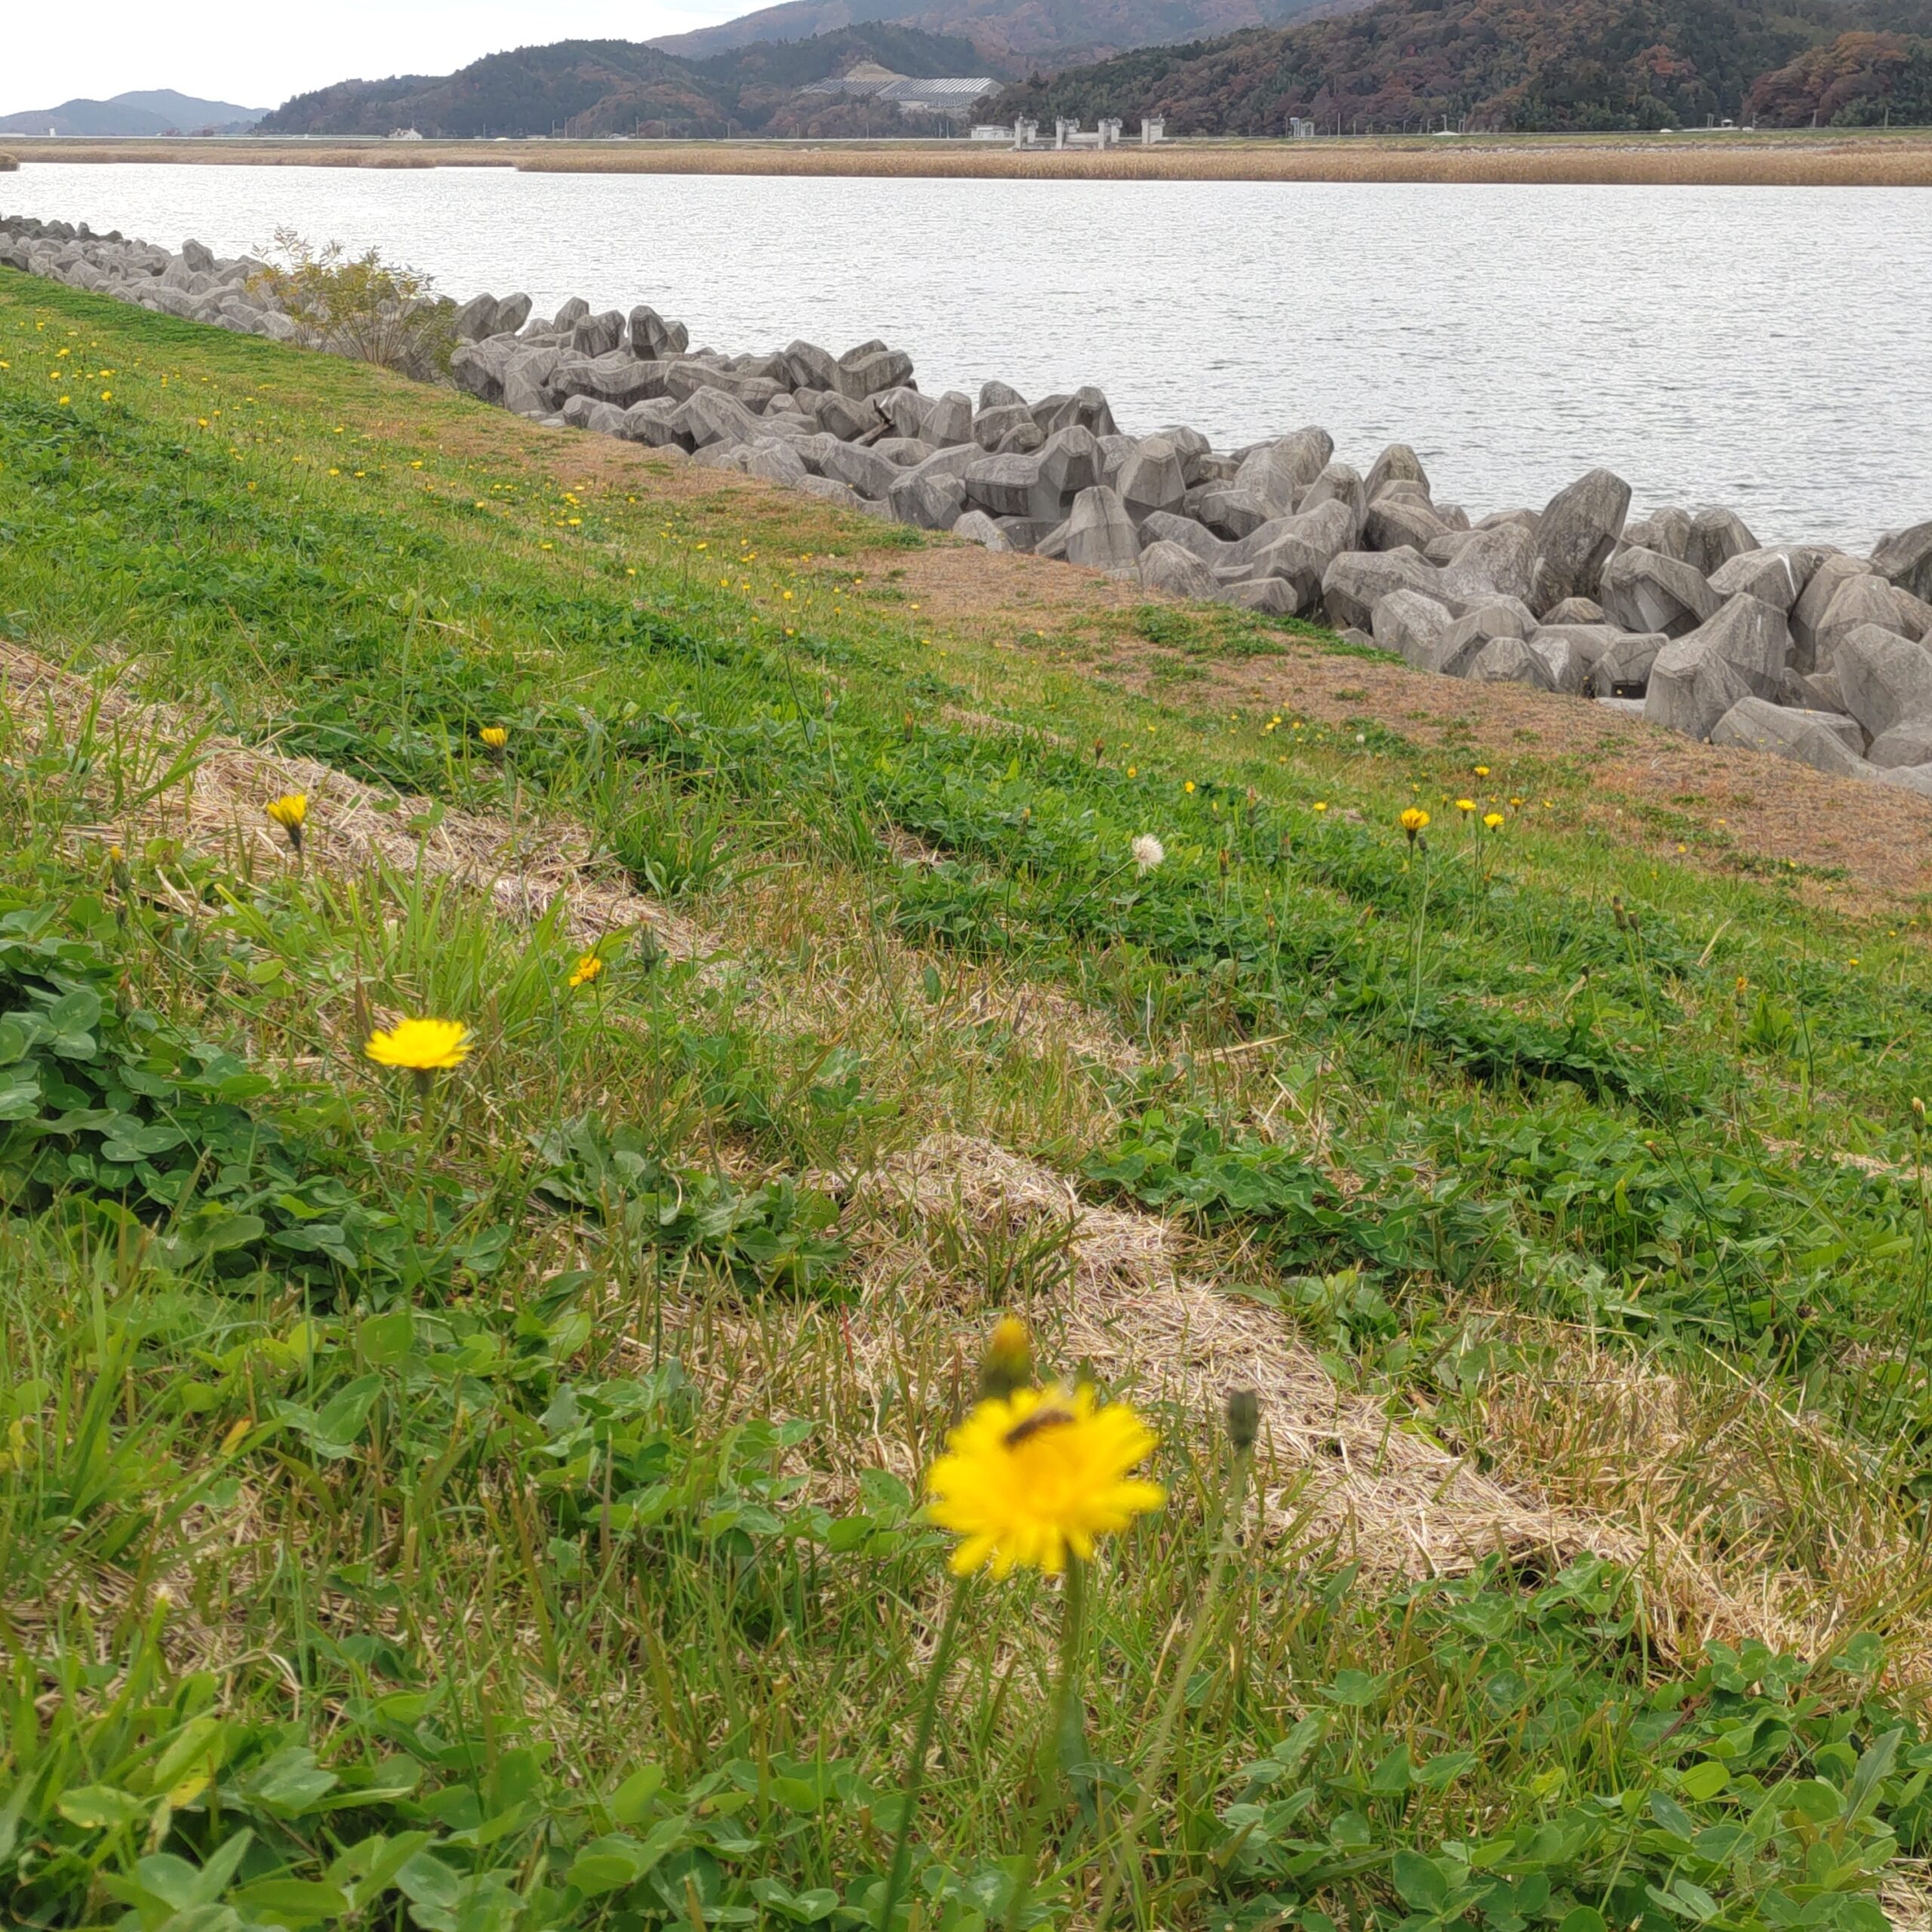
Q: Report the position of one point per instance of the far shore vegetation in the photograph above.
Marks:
(1825, 159)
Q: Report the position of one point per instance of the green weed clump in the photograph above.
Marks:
(487, 1490)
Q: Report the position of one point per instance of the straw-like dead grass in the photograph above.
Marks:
(1687, 1508)
(1791, 160)
(209, 792)
(1770, 1501)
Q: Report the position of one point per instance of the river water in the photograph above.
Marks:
(1768, 349)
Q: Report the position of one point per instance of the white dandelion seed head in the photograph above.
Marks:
(1148, 852)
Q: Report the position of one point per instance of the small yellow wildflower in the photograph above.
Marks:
(1322, 804)
(1466, 806)
(1033, 1478)
(290, 811)
(1493, 820)
(1413, 820)
(1480, 770)
(586, 969)
(1189, 787)
(494, 736)
(420, 1046)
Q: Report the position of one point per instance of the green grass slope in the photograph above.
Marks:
(497, 1507)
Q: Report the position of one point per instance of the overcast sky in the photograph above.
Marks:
(257, 55)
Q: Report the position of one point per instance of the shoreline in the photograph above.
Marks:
(1823, 158)
(1683, 618)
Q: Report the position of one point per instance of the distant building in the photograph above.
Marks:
(867, 81)
(404, 135)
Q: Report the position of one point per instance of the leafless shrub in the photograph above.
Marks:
(359, 306)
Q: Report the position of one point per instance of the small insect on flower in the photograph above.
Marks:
(586, 969)
(290, 811)
(1030, 1480)
(494, 736)
(420, 1046)
(1149, 854)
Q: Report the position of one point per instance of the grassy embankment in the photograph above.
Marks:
(1828, 159)
(494, 1507)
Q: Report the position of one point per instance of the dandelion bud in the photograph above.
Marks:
(1617, 912)
(290, 811)
(1244, 1419)
(1100, 749)
(1007, 1364)
(1918, 1114)
(1224, 861)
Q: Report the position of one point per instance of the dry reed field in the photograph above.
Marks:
(1823, 160)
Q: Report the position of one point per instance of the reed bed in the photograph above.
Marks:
(1797, 161)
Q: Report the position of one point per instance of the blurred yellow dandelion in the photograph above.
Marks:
(1031, 1479)
(290, 811)
(420, 1046)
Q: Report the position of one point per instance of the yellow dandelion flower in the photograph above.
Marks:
(1413, 819)
(1480, 770)
(1031, 1480)
(1189, 787)
(1466, 806)
(290, 811)
(1492, 820)
(1322, 804)
(420, 1046)
(494, 736)
(586, 969)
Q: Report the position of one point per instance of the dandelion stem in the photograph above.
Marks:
(1127, 1866)
(1061, 1747)
(913, 1781)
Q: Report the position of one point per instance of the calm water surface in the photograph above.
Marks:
(1769, 348)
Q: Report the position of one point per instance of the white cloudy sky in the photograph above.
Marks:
(257, 54)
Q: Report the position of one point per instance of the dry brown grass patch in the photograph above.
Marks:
(214, 803)
(1779, 1512)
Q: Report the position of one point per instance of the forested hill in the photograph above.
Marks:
(589, 87)
(1018, 36)
(1524, 64)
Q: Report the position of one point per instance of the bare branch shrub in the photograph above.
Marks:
(360, 305)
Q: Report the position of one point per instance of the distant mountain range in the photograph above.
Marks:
(590, 87)
(1013, 36)
(1562, 65)
(156, 111)
(745, 74)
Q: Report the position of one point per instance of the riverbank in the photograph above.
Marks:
(557, 1436)
(1834, 158)
(1682, 616)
